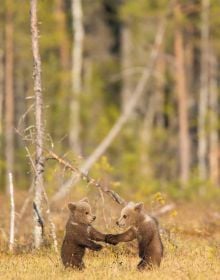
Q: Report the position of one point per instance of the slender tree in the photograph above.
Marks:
(126, 64)
(39, 160)
(204, 92)
(12, 213)
(146, 134)
(77, 59)
(1, 87)
(213, 122)
(160, 87)
(9, 91)
(184, 138)
(62, 33)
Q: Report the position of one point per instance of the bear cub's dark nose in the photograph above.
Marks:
(94, 217)
(117, 223)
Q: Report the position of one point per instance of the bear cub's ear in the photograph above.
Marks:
(139, 206)
(85, 199)
(71, 206)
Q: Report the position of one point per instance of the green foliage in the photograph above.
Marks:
(136, 10)
(142, 167)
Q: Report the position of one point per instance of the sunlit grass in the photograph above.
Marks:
(194, 252)
(194, 258)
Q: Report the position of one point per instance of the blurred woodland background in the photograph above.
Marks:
(94, 54)
(109, 99)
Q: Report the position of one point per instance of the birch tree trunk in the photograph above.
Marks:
(9, 92)
(1, 87)
(213, 123)
(184, 138)
(126, 64)
(77, 57)
(204, 92)
(39, 159)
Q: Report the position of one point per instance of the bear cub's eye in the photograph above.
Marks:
(125, 216)
(87, 213)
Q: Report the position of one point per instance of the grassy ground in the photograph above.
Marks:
(194, 252)
(194, 258)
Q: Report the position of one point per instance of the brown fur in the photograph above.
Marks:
(79, 235)
(143, 228)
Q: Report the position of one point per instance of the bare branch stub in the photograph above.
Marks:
(40, 219)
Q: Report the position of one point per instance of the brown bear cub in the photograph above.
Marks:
(143, 228)
(79, 234)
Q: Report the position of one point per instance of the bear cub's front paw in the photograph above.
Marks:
(98, 247)
(110, 238)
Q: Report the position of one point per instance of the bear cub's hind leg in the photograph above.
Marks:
(143, 265)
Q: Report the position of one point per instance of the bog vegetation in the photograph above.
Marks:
(122, 102)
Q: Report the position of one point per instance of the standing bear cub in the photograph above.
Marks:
(143, 228)
(79, 234)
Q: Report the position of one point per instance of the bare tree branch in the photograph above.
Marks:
(103, 189)
(28, 199)
(84, 176)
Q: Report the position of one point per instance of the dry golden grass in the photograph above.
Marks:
(195, 230)
(195, 258)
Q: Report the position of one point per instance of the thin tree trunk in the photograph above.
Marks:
(126, 64)
(39, 159)
(1, 86)
(63, 40)
(1, 93)
(132, 103)
(189, 67)
(160, 94)
(12, 213)
(213, 123)
(146, 134)
(154, 111)
(184, 137)
(77, 58)
(9, 92)
(204, 92)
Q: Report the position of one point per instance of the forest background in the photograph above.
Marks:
(130, 109)
(170, 142)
